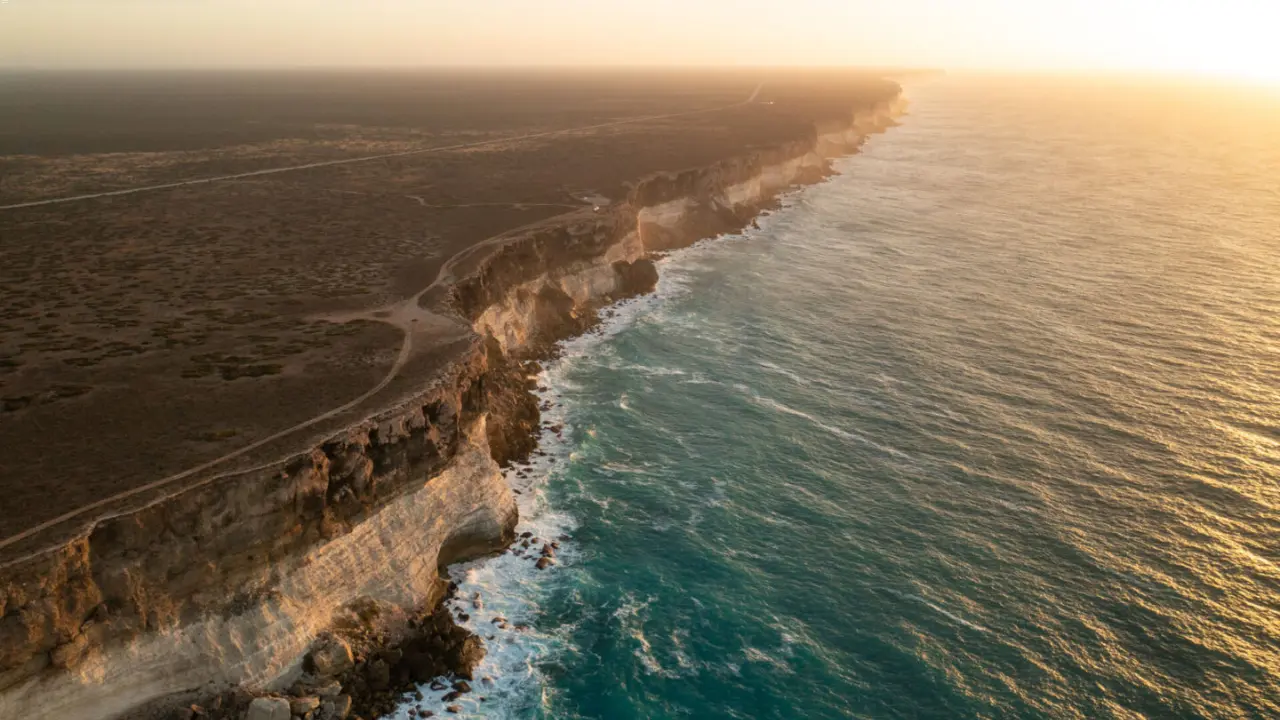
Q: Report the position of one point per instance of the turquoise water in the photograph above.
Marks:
(987, 426)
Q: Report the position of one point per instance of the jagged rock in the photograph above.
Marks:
(462, 686)
(336, 709)
(466, 656)
(548, 551)
(378, 674)
(331, 656)
(329, 689)
(544, 563)
(68, 655)
(451, 696)
(304, 705)
(267, 708)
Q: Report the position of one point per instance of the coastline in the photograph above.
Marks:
(344, 525)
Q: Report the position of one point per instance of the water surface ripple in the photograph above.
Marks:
(988, 426)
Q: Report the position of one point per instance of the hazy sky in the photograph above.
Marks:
(1233, 37)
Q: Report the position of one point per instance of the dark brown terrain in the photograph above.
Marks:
(147, 334)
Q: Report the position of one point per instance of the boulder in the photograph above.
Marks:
(455, 709)
(462, 686)
(451, 696)
(329, 689)
(464, 657)
(331, 656)
(304, 705)
(267, 708)
(336, 709)
(544, 563)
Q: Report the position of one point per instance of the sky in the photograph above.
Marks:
(1235, 38)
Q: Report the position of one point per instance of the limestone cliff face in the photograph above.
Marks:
(390, 556)
(547, 285)
(230, 582)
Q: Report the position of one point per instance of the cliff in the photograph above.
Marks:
(230, 583)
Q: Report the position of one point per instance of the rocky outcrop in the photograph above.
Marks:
(229, 584)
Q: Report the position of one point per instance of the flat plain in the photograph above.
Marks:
(149, 332)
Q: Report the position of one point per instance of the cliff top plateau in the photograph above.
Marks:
(205, 272)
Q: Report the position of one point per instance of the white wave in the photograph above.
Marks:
(783, 372)
(838, 432)
(948, 614)
(757, 655)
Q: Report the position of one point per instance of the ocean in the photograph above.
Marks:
(985, 426)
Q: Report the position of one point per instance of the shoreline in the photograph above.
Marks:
(507, 585)
(438, 454)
